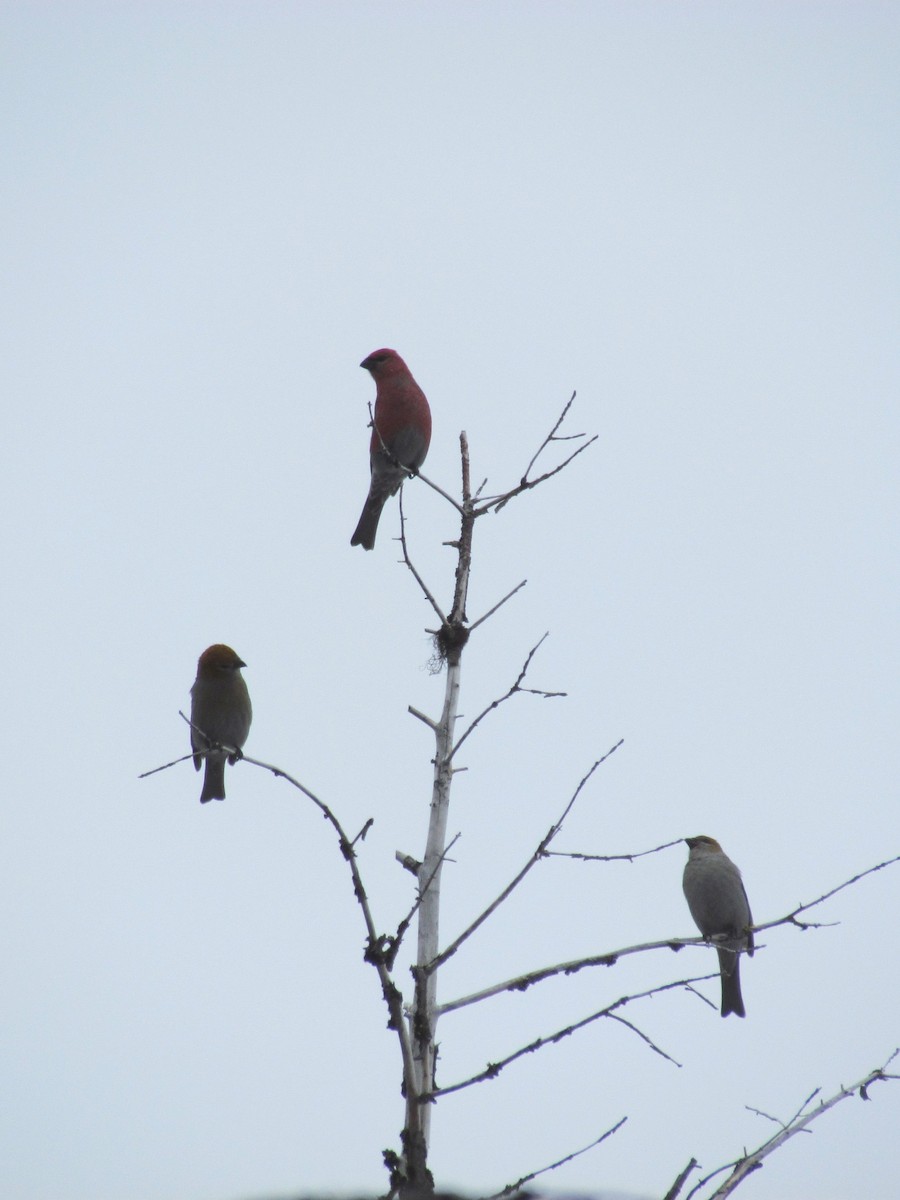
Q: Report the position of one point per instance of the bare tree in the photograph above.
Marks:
(414, 1017)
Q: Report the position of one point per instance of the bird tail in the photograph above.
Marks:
(730, 971)
(214, 778)
(364, 534)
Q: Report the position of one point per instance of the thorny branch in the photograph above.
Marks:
(791, 918)
(524, 484)
(613, 857)
(377, 946)
(516, 687)
(512, 1188)
(744, 1166)
(456, 625)
(198, 753)
(379, 949)
(538, 854)
(426, 592)
(493, 1069)
(522, 982)
(676, 1187)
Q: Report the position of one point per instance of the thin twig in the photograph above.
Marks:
(643, 1036)
(613, 857)
(361, 836)
(498, 502)
(404, 924)
(551, 436)
(791, 918)
(200, 752)
(173, 763)
(440, 491)
(510, 887)
(511, 1188)
(516, 687)
(464, 545)
(490, 612)
(426, 592)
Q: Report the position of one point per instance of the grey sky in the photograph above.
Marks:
(211, 213)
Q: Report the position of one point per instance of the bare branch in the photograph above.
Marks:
(758, 1112)
(234, 751)
(440, 491)
(536, 856)
(791, 918)
(361, 836)
(516, 687)
(378, 948)
(511, 1188)
(404, 924)
(490, 612)
(613, 857)
(521, 983)
(551, 436)
(408, 862)
(498, 502)
(173, 763)
(672, 1193)
(703, 999)
(742, 1167)
(493, 1069)
(432, 725)
(643, 1036)
(426, 592)
(464, 545)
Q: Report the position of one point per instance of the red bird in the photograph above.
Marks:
(400, 436)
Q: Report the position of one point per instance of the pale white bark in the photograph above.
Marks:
(423, 1015)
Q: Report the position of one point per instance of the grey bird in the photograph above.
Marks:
(220, 715)
(718, 902)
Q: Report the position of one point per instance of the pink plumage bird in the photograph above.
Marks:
(400, 437)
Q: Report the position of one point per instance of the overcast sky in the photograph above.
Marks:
(687, 212)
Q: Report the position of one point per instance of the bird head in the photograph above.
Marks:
(218, 659)
(706, 845)
(381, 364)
